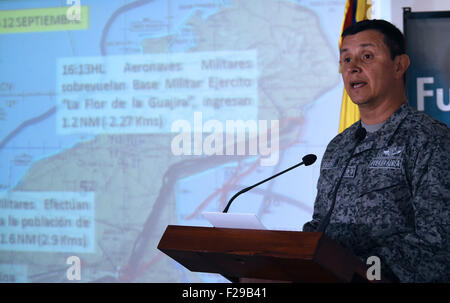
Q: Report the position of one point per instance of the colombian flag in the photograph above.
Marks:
(355, 10)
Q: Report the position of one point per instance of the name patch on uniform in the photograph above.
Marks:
(327, 164)
(385, 163)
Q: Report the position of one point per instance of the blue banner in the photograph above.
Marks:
(428, 77)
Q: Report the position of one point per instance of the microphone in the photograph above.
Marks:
(306, 160)
(359, 136)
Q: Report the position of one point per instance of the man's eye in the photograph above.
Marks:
(346, 60)
(367, 56)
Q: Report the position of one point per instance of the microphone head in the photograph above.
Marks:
(309, 159)
(360, 134)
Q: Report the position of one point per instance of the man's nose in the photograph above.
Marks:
(354, 66)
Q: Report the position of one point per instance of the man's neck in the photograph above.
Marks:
(375, 114)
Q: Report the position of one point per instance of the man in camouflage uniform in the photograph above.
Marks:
(391, 187)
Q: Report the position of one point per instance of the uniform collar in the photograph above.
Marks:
(382, 137)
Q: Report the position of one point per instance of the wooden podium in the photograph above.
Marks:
(239, 254)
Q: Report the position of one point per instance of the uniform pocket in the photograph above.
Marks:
(382, 179)
(384, 198)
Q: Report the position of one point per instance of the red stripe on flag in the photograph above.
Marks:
(350, 15)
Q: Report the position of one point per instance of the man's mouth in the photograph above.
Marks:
(358, 84)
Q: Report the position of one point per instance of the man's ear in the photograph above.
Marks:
(401, 64)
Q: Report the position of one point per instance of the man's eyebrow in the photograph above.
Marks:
(343, 50)
(367, 44)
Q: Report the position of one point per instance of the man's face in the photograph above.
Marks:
(367, 67)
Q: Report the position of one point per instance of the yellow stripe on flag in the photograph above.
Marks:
(350, 111)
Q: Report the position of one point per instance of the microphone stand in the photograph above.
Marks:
(307, 160)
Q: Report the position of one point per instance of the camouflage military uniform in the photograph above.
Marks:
(394, 199)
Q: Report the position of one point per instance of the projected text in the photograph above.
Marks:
(47, 221)
(146, 94)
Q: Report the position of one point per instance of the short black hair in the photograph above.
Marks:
(393, 37)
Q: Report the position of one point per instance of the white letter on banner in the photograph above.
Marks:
(440, 100)
(422, 93)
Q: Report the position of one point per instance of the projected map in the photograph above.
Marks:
(88, 166)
